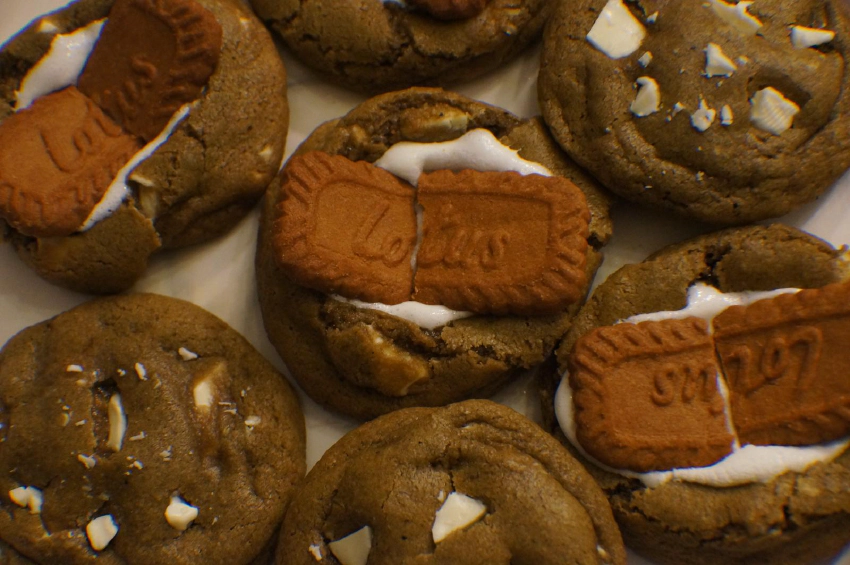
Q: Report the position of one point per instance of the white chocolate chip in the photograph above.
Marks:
(266, 152)
(141, 371)
(354, 548)
(648, 98)
(121, 372)
(652, 18)
(27, 497)
(187, 355)
(179, 514)
(456, 513)
(441, 496)
(645, 59)
(46, 26)
(737, 16)
(65, 419)
(804, 37)
(203, 394)
(702, 119)
(252, 421)
(726, 116)
(315, 551)
(771, 111)
(87, 460)
(117, 423)
(74, 369)
(717, 64)
(80, 423)
(138, 465)
(677, 107)
(100, 531)
(139, 436)
(616, 32)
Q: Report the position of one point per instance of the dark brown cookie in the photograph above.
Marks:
(509, 491)
(691, 111)
(142, 429)
(377, 46)
(363, 362)
(794, 518)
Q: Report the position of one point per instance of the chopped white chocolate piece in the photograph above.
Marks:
(80, 423)
(36, 500)
(179, 514)
(677, 107)
(737, 16)
(252, 421)
(652, 18)
(645, 59)
(141, 371)
(203, 395)
(441, 496)
(804, 37)
(46, 26)
(66, 418)
(616, 32)
(187, 355)
(717, 64)
(117, 423)
(139, 436)
(87, 460)
(354, 548)
(726, 116)
(315, 551)
(137, 464)
(27, 497)
(771, 111)
(456, 513)
(648, 98)
(100, 531)
(702, 119)
(74, 369)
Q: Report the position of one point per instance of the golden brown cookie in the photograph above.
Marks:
(142, 429)
(364, 362)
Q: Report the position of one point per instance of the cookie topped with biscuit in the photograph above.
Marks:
(720, 111)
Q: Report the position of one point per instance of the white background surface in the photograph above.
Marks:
(219, 275)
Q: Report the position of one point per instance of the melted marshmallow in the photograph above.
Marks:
(748, 464)
(426, 316)
(61, 66)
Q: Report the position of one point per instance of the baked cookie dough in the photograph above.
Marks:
(142, 429)
(727, 113)
(473, 482)
(351, 359)
(197, 185)
(796, 517)
(378, 46)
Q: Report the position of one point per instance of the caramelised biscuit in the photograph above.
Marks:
(142, 429)
(363, 362)
(646, 396)
(728, 112)
(501, 243)
(152, 57)
(57, 158)
(381, 45)
(785, 361)
(795, 518)
(473, 482)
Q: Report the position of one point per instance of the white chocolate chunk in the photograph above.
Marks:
(354, 548)
(652, 18)
(717, 64)
(27, 497)
(252, 421)
(87, 460)
(645, 59)
(73, 369)
(616, 32)
(36, 500)
(187, 355)
(702, 119)
(804, 37)
(677, 107)
(46, 26)
(315, 551)
(179, 514)
(771, 111)
(726, 116)
(737, 16)
(648, 98)
(117, 423)
(203, 394)
(456, 513)
(100, 531)
(141, 371)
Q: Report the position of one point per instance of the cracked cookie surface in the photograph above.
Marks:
(351, 359)
(793, 519)
(378, 46)
(132, 406)
(535, 504)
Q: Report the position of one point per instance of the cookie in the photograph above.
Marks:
(723, 112)
(471, 482)
(796, 512)
(379, 46)
(214, 158)
(142, 429)
(358, 360)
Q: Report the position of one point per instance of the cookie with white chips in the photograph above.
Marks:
(473, 482)
(720, 111)
(142, 429)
